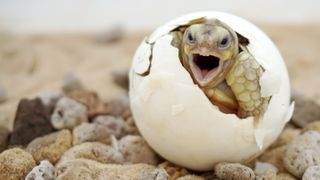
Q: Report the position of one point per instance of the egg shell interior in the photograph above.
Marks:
(177, 119)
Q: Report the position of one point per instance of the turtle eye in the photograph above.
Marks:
(190, 38)
(224, 43)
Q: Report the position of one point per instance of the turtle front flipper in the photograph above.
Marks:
(223, 97)
(243, 78)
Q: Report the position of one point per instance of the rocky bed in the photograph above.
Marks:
(73, 134)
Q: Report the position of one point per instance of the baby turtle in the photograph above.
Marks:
(219, 62)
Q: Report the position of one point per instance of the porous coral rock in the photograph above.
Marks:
(84, 169)
(15, 164)
(302, 152)
(91, 132)
(51, 146)
(68, 113)
(312, 173)
(233, 171)
(136, 150)
(94, 151)
(44, 171)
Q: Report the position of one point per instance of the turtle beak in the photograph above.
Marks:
(205, 67)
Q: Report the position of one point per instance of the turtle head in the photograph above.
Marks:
(209, 50)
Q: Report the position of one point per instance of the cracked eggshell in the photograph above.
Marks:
(177, 119)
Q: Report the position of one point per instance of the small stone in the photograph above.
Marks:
(32, 120)
(312, 173)
(302, 152)
(120, 106)
(287, 135)
(233, 171)
(173, 170)
(305, 111)
(3, 94)
(94, 151)
(262, 167)
(68, 113)
(312, 126)
(285, 176)
(15, 164)
(4, 136)
(267, 175)
(91, 100)
(91, 132)
(136, 150)
(191, 177)
(83, 169)
(44, 171)
(71, 82)
(114, 125)
(51, 146)
(50, 99)
(274, 156)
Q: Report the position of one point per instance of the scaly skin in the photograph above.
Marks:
(234, 85)
(243, 78)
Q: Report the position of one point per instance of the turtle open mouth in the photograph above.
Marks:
(205, 68)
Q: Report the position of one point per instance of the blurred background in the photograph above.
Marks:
(45, 42)
(93, 15)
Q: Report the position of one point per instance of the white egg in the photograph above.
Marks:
(177, 119)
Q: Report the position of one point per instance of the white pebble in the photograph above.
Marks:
(302, 152)
(49, 98)
(263, 167)
(91, 132)
(95, 151)
(71, 82)
(114, 125)
(44, 171)
(312, 173)
(68, 113)
(233, 171)
(136, 150)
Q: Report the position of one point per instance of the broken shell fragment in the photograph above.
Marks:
(181, 123)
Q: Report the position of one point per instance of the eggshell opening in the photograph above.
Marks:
(181, 124)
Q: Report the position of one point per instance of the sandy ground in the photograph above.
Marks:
(35, 64)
